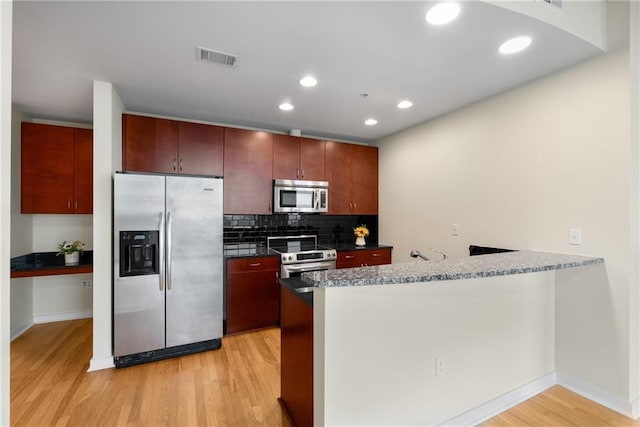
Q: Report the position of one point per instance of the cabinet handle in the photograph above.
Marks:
(277, 276)
(349, 256)
(255, 264)
(68, 205)
(302, 173)
(76, 205)
(174, 163)
(269, 209)
(376, 254)
(298, 173)
(355, 206)
(180, 164)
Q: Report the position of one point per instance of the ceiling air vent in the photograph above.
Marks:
(209, 55)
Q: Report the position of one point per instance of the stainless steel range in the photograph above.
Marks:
(301, 254)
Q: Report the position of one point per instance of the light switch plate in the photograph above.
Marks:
(575, 236)
(455, 229)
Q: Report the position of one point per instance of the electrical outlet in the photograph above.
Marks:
(455, 229)
(86, 283)
(440, 365)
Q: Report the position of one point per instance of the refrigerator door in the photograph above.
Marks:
(194, 252)
(138, 300)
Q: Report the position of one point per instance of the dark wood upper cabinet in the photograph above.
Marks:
(149, 144)
(298, 158)
(169, 146)
(312, 162)
(83, 171)
(365, 179)
(248, 182)
(56, 169)
(352, 172)
(200, 149)
(339, 173)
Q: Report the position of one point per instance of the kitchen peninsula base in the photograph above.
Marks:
(429, 351)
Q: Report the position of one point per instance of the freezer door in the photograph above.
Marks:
(194, 259)
(138, 300)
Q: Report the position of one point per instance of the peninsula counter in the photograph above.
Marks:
(424, 343)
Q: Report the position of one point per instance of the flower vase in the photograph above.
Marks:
(72, 259)
(360, 241)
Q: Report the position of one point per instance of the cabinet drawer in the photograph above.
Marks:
(239, 265)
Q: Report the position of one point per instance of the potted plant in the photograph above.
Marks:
(71, 251)
(361, 232)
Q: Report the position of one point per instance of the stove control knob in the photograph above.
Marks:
(290, 257)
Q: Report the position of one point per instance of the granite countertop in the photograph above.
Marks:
(500, 264)
(252, 249)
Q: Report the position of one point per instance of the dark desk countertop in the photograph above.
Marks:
(48, 264)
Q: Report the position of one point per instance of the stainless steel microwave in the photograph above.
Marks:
(300, 196)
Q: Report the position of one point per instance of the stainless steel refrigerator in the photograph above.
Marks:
(167, 266)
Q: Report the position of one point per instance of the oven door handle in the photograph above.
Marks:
(310, 267)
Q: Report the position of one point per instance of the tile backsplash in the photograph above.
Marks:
(332, 230)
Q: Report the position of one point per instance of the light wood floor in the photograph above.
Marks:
(237, 385)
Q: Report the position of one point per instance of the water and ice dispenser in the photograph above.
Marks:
(139, 253)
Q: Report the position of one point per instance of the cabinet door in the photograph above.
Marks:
(365, 179)
(200, 149)
(350, 259)
(312, 163)
(338, 171)
(363, 258)
(149, 144)
(46, 169)
(253, 294)
(286, 157)
(248, 159)
(378, 256)
(83, 171)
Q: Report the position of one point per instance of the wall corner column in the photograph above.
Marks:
(107, 140)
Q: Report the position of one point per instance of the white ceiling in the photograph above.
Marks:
(386, 49)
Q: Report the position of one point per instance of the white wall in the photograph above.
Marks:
(517, 171)
(21, 237)
(107, 158)
(375, 362)
(6, 8)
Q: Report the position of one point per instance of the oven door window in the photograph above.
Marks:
(296, 198)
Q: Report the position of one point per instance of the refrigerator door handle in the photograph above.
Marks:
(169, 251)
(161, 250)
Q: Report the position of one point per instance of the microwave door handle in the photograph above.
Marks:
(317, 200)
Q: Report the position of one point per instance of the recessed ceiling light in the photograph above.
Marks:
(405, 104)
(308, 81)
(515, 45)
(442, 13)
(370, 122)
(285, 106)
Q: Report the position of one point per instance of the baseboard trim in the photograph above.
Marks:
(501, 403)
(21, 330)
(97, 364)
(60, 317)
(630, 409)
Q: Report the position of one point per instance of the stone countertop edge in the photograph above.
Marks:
(500, 264)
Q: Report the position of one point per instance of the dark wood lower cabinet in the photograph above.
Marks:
(363, 257)
(253, 295)
(296, 355)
